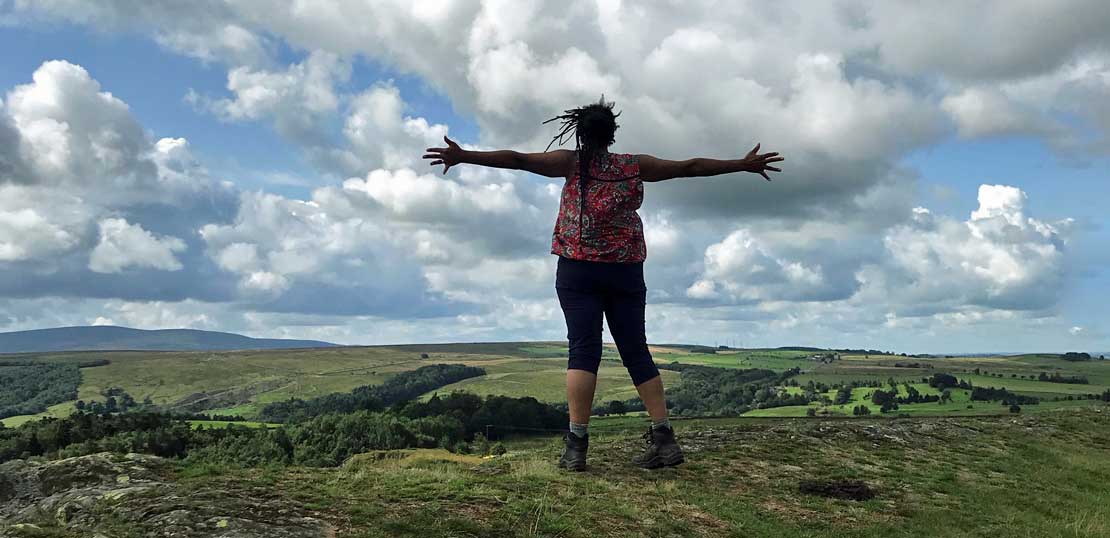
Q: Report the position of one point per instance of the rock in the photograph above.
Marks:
(136, 492)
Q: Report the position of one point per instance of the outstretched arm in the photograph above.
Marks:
(655, 169)
(550, 163)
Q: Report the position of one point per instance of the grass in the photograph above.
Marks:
(545, 380)
(961, 403)
(241, 382)
(1032, 475)
(221, 424)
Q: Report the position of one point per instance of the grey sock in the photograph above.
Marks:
(579, 429)
(662, 423)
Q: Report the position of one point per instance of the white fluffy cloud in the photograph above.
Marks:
(74, 133)
(91, 196)
(124, 245)
(25, 234)
(382, 136)
(844, 90)
(999, 258)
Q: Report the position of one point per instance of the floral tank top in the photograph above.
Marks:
(603, 226)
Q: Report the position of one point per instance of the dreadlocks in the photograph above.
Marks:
(594, 126)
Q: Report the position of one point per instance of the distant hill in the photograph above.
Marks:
(124, 338)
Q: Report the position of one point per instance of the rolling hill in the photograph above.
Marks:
(124, 338)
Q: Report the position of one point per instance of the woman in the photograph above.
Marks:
(599, 239)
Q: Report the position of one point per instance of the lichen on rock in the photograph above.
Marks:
(109, 494)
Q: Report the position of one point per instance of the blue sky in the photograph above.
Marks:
(297, 204)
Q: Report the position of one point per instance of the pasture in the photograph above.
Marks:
(241, 382)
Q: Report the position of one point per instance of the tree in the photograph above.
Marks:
(811, 412)
(617, 407)
(1015, 408)
(945, 396)
(943, 381)
(481, 445)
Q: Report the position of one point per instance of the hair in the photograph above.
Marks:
(594, 127)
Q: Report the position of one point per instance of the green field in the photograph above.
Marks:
(241, 382)
(545, 380)
(882, 368)
(218, 424)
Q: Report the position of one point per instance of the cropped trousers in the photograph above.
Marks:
(589, 290)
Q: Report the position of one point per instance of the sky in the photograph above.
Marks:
(255, 167)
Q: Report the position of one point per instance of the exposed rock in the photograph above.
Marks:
(134, 495)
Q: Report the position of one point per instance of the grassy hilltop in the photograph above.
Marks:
(1043, 475)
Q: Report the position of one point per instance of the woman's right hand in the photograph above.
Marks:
(448, 156)
(758, 163)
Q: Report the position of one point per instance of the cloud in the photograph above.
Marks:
(124, 245)
(73, 133)
(382, 136)
(95, 195)
(999, 258)
(26, 234)
(980, 112)
(229, 43)
(961, 40)
(295, 256)
(834, 245)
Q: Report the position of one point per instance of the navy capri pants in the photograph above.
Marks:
(589, 289)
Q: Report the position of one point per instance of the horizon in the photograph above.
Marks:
(890, 351)
(256, 170)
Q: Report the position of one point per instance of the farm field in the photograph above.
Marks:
(1018, 374)
(241, 382)
(544, 379)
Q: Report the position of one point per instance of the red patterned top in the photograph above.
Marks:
(610, 231)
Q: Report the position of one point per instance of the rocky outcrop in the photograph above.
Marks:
(134, 495)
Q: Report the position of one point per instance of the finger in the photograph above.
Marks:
(432, 155)
(764, 174)
(773, 169)
(775, 160)
(433, 163)
(756, 148)
(449, 141)
(446, 167)
(441, 150)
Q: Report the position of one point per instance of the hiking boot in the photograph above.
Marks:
(574, 455)
(662, 450)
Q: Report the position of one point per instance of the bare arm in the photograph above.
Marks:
(551, 163)
(656, 169)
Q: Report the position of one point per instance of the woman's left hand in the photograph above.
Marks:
(448, 156)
